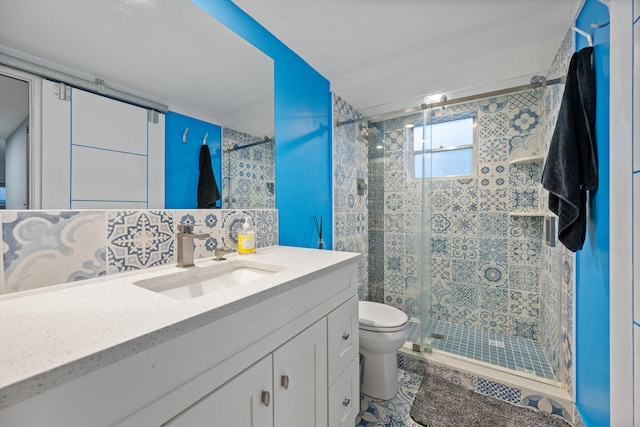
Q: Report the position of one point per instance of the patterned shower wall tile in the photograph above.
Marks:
(465, 295)
(524, 200)
(524, 146)
(440, 223)
(394, 140)
(413, 223)
(525, 226)
(464, 248)
(394, 222)
(524, 121)
(441, 201)
(442, 292)
(413, 264)
(493, 105)
(524, 251)
(467, 316)
(521, 100)
(441, 269)
(464, 271)
(394, 180)
(524, 278)
(412, 307)
(395, 161)
(493, 249)
(440, 311)
(524, 327)
(493, 200)
(464, 223)
(493, 150)
(494, 300)
(48, 248)
(440, 247)
(395, 300)
(139, 239)
(205, 221)
(493, 321)
(524, 304)
(493, 175)
(525, 175)
(492, 126)
(464, 199)
(493, 224)
(494, 275)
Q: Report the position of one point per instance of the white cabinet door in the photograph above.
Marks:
(343, 337)
(300, 379)
(245, 401)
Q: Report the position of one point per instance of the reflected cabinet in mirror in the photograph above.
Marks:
(85, 87)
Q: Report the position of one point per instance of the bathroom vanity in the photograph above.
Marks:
(276, 349)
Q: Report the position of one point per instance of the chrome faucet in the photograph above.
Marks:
(220, 253)
(185, 243)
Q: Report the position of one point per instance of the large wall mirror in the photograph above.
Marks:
(169, 52)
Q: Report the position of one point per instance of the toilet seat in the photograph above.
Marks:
(377, 317)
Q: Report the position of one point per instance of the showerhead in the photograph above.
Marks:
(366, 132)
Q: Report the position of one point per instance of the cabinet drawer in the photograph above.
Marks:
(344, 396)
(342, 337)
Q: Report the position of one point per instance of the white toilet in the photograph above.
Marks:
(383, 330)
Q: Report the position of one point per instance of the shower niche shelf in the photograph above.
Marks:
(528, 159)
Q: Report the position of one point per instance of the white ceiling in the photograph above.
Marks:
(170, 51)
(375, 52)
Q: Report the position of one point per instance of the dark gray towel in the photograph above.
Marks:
(208, 192)
(571, 167)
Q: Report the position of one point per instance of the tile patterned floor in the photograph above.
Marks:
(516, 353)
(394, 412)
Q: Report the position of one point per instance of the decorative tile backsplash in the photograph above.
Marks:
(44, 248)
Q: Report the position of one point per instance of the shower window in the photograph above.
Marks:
(443, 148)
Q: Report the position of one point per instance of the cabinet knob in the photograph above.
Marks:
(346, 402)
(285, 381)
(266, 398)
(345, 336)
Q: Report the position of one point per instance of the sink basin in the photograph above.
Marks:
(198, 281)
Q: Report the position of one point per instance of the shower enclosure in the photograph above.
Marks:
(456, 217)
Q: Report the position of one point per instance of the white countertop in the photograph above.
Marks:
(53, 335)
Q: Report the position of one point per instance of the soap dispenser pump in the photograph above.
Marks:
(246, 238)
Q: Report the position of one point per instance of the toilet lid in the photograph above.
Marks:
(376, 315)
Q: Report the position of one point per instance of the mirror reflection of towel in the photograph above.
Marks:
(571, 167)
(208, 192)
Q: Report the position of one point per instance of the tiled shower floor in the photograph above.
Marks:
(516, 353)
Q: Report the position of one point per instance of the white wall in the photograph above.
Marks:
(624, 209)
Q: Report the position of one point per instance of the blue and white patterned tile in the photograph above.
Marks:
(524, 327)
(139, 239)
(49, 248)
(545, 404)
(394, 412)
(465, 295)
(524, 304)
(493, 249)
(493, 224)
(524, 200)
(440, 247)
(499, 391)
(441, 201)
(465, 248)
(393, 180)
(467, 316)
(463, 379)
(493, 105)
(464, 199)
(524, 251)
(266, 223)
(524, 121)
(441, 269)
(493, 150)
(524, 146)
(493, 176)
(394, 222)
(464, 271)
(525, 175)
(494, 274)
(493, 321)
(393, 299)
(494, 300)
(493, 200)
(440, 223)
(520, 100)
(442, 292)
(464, 223)
(525, 226)
(492, 126)
(524, 278)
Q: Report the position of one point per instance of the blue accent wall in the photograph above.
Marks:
(182, 160)
(592, 263)
(302, 131)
